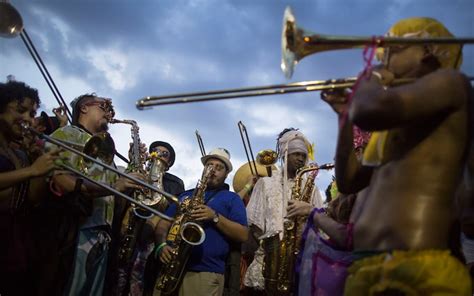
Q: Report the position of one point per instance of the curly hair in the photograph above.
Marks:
(16, 91)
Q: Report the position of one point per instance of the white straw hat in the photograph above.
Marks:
(221, 154)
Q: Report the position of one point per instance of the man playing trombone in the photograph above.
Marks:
(410, 168)
(95, 206)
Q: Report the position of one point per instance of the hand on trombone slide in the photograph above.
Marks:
(45, 163)
(337, 99)
(122, 183)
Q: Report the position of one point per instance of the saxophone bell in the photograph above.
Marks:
(192, 233)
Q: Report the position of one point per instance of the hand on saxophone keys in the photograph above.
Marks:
(166, 254)
(297, 208)
(203, 213)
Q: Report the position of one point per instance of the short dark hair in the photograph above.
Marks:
(16, 91)
(77, 103)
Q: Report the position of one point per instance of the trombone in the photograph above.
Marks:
(296, 44)
(106, 166)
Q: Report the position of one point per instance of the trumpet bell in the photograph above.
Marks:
(11, 23)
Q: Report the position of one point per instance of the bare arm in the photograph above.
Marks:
(66, 182)
(351, 176)
(336, 231)
(161, 231)
(231, 229)
(40, 167)
(436, 94)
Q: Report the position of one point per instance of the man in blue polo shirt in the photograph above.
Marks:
(223, 219)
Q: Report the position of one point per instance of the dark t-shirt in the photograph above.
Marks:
(13, 255)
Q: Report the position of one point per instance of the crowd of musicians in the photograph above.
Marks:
(398, 219)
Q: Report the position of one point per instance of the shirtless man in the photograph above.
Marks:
(410, 168)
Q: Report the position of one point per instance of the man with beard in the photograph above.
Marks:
(223, 218)
(139, 271)
(271, 204)
(90, 206)
(18, 104)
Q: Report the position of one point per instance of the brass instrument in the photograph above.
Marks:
(280, 255)
(108, 167)
(11, 23)
(200, 143)
(296, 44)
(184, 233)
(261, 167)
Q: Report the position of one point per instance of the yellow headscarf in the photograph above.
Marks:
(448, 55)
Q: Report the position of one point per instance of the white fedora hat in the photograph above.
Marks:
(221, 154)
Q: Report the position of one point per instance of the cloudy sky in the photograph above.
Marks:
(127, 50)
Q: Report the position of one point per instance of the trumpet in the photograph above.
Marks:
(86, 157)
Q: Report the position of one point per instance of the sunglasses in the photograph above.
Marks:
(105, 105)
(164, 154)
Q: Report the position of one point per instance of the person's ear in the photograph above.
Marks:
(84, 108)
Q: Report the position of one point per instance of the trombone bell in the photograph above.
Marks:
(11, 23)
(298, 43)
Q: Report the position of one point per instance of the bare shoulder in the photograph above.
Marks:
(451, 81)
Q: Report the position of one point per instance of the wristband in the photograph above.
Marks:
(158, 249)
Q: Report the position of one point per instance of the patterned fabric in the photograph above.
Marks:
(90, 260)
(102, 207)
(266, 210)
(467, 245)
(138, 269)
(90, 263)
(428, 272)
(323, 268)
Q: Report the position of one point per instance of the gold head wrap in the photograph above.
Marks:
(448, 55)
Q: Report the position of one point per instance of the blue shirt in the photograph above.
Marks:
(211, 255)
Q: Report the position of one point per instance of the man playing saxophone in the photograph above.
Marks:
(271, 204)
(223, 218)
(162, 158)
(89, 233)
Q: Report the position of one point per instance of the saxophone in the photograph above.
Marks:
(135, 222)
(184, 233)
(280, 256)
